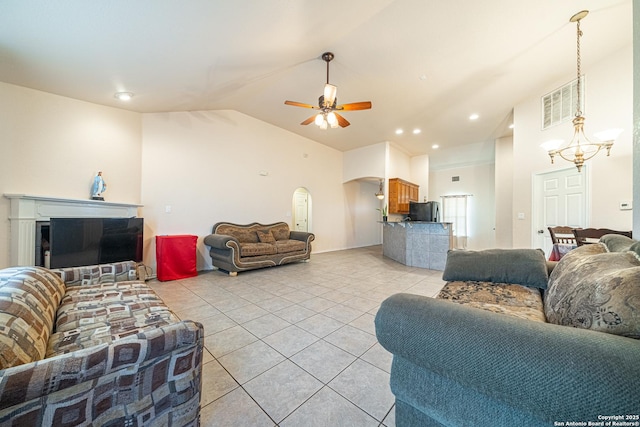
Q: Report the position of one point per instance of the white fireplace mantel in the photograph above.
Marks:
(26, 210)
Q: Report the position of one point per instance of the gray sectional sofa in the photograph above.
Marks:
(237, 247)
(94, 346)
(504, 346)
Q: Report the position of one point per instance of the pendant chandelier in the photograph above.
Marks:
(580, 148)
(380, 193)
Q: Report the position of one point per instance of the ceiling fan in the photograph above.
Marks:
(327, 104)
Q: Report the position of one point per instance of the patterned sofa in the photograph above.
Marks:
(94, 346)
(504, 346)
(235, 247)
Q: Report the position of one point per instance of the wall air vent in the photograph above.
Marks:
(455, 178)
(559, 106)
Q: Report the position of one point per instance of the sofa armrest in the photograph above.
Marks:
(221, 241)
(172, 353)
(553, 372)
(302, 236)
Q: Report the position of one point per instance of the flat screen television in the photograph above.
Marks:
(87, 241)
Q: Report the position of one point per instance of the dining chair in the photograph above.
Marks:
(585, 236)
(562, 235)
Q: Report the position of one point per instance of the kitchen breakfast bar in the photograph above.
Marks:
(417, 243)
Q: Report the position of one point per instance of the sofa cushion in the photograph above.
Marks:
(287, 246)
(104, 303)
(513, 300)
(280, 231)
(95, 274)
(100, 314)
(594, 289)
(254, 249)
(29, 297)
(525, 267)
(265, 236)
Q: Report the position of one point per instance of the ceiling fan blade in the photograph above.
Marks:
(341, 120)
(299, 104)
(365, 105)
(309, 120)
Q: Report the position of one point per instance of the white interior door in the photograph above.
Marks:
(559, 198)
(301, 210)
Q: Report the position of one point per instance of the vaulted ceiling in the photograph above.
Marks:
(424, 64)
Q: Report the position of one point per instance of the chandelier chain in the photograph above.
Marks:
(578, 87)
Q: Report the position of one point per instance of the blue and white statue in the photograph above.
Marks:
(99, 187)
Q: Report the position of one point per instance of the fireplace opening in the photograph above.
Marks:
(42, 244)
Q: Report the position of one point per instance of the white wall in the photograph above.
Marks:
(207, 167)
(365, 162)
(608, 104)
(363, 227)
(398, 163)
(478, 181)
(420, 175)
(504, 191)
(53, 146)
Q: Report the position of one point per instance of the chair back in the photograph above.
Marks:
(592, 235)
(562, 235)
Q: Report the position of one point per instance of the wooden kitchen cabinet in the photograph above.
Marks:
(401, 192)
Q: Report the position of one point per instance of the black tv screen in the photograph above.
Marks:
(88, 241)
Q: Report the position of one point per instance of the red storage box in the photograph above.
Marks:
(176, 257)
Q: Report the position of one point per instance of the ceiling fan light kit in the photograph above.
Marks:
(329, 97)
(328, 105)
(580, 149)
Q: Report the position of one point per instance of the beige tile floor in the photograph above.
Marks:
(295, 345)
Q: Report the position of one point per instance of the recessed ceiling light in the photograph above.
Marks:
(511, 126)
(399, 131)
(473, 117)
(423, 77)
(416, 131)
(435, 146)
(123, 96)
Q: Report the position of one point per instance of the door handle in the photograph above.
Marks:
(540, 231)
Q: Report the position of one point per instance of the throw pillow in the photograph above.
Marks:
(635, 248)
(617, 242)
(266, 236)
(591, 288)
(525, 267)
(280, 231)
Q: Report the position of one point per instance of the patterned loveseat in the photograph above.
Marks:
(94, 346)
(235, 247)
(504, 346)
